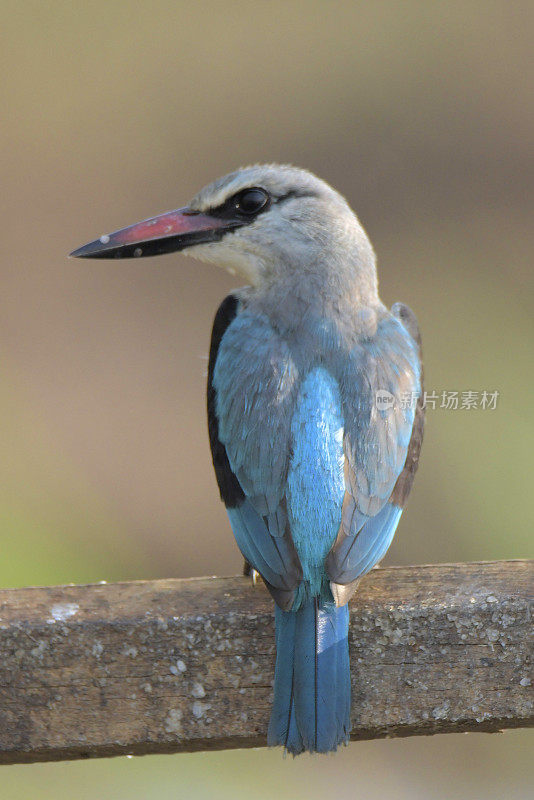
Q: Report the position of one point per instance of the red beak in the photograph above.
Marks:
(165, 233)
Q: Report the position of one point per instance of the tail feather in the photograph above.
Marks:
(282, 725)
(311, 709)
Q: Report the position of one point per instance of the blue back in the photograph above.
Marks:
(315, 481)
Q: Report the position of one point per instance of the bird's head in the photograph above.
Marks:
(261, 222)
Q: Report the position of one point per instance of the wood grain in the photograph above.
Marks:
(181, 665)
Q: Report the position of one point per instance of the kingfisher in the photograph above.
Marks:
(315, 414)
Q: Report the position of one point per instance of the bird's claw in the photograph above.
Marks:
(249, 571)
(255, 575)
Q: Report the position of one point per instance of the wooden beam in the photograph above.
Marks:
(181, 665)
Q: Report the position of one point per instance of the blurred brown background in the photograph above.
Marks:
(422, 115)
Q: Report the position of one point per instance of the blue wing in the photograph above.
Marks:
(382, 444)
(251, 380)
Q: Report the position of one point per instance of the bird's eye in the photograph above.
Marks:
(251, 201)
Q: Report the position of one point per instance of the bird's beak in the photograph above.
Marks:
(165, 233)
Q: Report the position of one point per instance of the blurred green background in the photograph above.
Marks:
(421, 113)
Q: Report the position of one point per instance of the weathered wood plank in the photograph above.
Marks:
(177, 665)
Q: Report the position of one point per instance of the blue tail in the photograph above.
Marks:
(311, 708)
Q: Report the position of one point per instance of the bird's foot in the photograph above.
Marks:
(249, 571)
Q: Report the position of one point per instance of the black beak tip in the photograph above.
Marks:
(77, 253)
(96, 249)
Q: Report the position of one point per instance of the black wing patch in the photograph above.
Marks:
(231, 492)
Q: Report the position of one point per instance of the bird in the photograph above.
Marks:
(315, 414)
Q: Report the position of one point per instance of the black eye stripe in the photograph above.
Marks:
(235, 207)
(245, 204)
